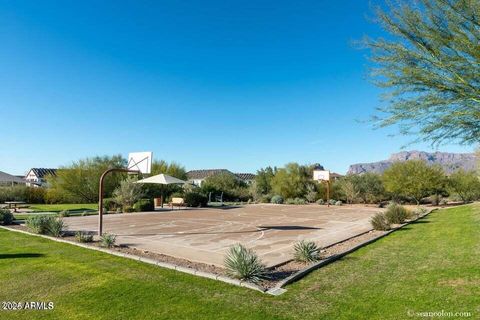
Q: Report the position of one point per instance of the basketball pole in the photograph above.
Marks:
(100, 195)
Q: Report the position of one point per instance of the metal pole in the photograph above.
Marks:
(100, 195)
(328, 193)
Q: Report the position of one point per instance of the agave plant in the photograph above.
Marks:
(306, 251)
(242, 263)
(107, 240)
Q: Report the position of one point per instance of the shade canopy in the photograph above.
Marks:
(8, 178)
(161, 179)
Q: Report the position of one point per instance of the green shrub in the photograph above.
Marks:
(38, 224)
(64, 213)
(332, 202)
(195, 199)
(55, 227)
(6, 217)
(48, 225)
(320, 201)
(306, 251)
(419, 211)
(119, 210)
(143, 205)
(84, 213)
(277, 199)
(242, 263)
(128, 209)
(338, 203)
(107, 240)
(396, 214)
(266, 198)
(379, 222)
(83, 237)
(297, 201)
(110, 204)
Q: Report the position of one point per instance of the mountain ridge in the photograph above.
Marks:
(450, 162)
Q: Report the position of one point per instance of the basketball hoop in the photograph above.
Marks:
(323, 176)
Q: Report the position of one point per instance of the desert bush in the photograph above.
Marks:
(396, 214)
(110, 204)
(277, 199)
(312, 193)
(332, 202)
(38, 224)
(55, 227)
(119, 210)
(48, 225)
(338, 203)
(320, 201)
(242, 263)
(128, 209)
(107, 240)
(6, 217)
(297, 201)
(128, 192)
(84, 213)
(195, 198)
(265, 198)
(144, 205)
(379, 222)
(83, 237)
(306, 251)
(417, 212)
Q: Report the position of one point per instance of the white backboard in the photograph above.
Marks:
(141, 161)
(320, 175)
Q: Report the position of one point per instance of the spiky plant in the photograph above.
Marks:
(306, 251)
(55, 227)
(242, 263)
(379, 222)
(107, 240)
(83, 237)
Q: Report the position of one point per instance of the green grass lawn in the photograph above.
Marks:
(431, 265)
(63, 206)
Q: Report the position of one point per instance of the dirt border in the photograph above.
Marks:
(279, 288)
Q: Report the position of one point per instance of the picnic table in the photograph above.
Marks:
(14, 204)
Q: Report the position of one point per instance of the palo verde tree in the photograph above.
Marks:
(79, 182)
(413, 179)
(430, 67)
(465, 185)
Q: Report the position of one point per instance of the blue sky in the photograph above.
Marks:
(209, 84)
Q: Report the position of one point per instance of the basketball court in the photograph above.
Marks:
(204, 235)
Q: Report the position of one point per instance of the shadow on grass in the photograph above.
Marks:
(20, 255)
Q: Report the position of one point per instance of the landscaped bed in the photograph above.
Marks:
(429, 265)
(277, 276)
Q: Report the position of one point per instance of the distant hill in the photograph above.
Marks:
(449, 161)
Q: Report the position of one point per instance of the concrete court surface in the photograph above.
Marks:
(204, 235)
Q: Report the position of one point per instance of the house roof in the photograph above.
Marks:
(42, 172)
(245, 176)
(203, 174)
(336, 175)
(8, 178)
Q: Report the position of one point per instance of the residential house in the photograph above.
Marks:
(10, 180)
(198, 176)
(37, 177)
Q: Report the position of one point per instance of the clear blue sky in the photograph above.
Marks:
(210, 84)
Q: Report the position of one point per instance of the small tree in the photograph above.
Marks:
(349, 189)
(413, 179)
(370, 187)
(128, 192)
(464, 184)
(312, 194)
